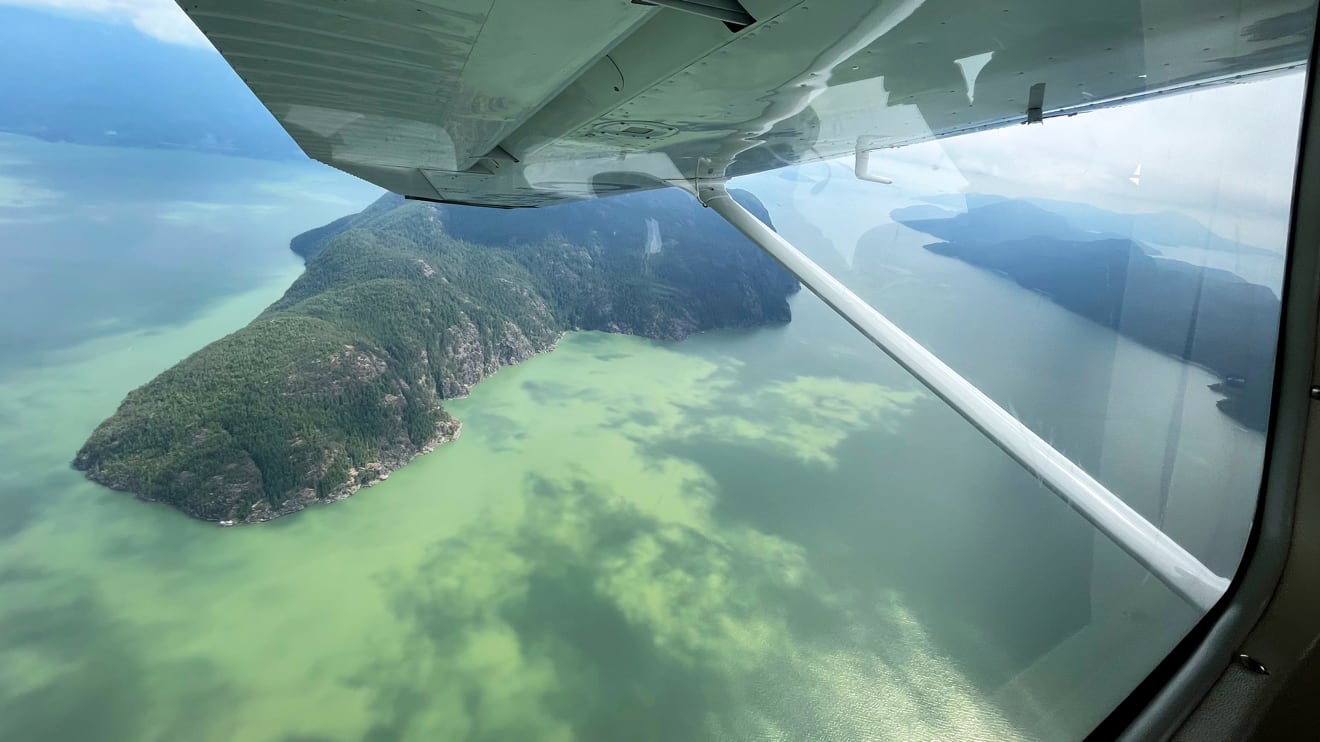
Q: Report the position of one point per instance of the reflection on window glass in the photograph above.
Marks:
(1114, 281)
(601, 471)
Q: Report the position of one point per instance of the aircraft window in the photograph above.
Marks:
(598, 471)
(1113, 279)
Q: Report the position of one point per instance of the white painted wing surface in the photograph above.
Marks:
(524, 103)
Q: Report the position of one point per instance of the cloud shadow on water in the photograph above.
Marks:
(21, 502)
(586, 620)
(556, 393)
(882, 513)
(91, 678)
(500, 432)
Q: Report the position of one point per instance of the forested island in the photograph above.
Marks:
(400, 307)
(1209, 317)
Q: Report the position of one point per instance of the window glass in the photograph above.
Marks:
(619, 477)
(1112, 278)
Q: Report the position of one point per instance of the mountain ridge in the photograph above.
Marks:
(1205, 316)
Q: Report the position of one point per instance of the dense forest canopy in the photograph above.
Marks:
(402, 306)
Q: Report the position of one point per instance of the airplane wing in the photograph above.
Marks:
(514, 103)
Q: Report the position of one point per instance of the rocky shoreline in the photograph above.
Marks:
(308, 497)
(447, 433)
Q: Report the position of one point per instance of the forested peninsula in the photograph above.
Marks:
(402, 306)
(1209, 317)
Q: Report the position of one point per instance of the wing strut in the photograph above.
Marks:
(1149, 546)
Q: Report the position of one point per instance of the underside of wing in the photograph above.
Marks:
(514, 103)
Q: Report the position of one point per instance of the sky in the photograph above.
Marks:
(159, 19)
(1223, 156)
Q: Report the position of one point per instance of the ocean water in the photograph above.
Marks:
(105, 240)
(761, 534)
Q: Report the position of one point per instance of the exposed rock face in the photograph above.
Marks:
(466, 359)
(342, 380)
(371, 472)
(467, 364)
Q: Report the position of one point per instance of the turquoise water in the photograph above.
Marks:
(766, 534)
(104, 240)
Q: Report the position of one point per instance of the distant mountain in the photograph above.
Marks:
(401, 307)
(1209, 317)
(992, 220)
(72, 80)
(1162, 227)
